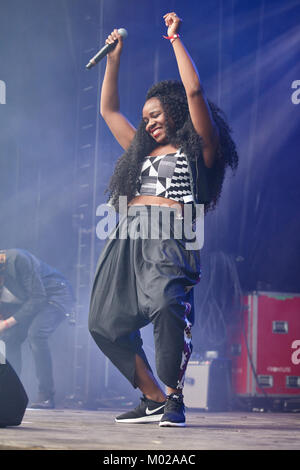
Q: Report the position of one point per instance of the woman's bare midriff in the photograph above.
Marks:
(157, 201)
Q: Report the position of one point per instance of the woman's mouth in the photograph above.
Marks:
(156, 132)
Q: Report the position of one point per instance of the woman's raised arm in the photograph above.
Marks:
(199, 110)
(120, 127)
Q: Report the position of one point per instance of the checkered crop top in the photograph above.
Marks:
(166, 176)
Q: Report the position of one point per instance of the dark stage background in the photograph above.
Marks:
(56, 154)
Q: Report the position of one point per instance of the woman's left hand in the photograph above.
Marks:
(173, 23)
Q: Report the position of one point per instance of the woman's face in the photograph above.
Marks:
(155, 120)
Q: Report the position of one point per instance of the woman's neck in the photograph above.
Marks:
(163, 149)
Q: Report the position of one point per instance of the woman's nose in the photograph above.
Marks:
(150, 123)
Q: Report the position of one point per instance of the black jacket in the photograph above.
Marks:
(35, 284)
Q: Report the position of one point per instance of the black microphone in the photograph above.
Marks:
(106, 49)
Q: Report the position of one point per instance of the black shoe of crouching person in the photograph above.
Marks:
(43, 405)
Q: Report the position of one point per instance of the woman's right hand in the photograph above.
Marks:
(116, 52)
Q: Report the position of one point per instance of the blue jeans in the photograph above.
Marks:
(37, 330)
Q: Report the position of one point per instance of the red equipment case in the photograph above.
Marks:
(268, 336)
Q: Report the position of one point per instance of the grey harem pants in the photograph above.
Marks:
(140, 280)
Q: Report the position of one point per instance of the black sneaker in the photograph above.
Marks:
(43, 405)
(174, 411)
(148, 411)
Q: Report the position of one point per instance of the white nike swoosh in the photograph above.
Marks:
(150, 412)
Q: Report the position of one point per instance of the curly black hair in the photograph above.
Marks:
(171, 94)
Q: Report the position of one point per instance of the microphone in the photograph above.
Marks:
(105, 50)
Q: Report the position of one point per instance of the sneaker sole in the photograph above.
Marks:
(171, 424)
(143, 419)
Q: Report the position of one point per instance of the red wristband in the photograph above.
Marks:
(175, 36)
(6, 323)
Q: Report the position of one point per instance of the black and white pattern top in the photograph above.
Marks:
(166, 176)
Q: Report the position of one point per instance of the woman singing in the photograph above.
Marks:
(176, 157)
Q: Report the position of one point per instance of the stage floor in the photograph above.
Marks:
(94, 430)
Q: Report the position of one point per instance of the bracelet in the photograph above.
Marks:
(175, 36)
(6, 323)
